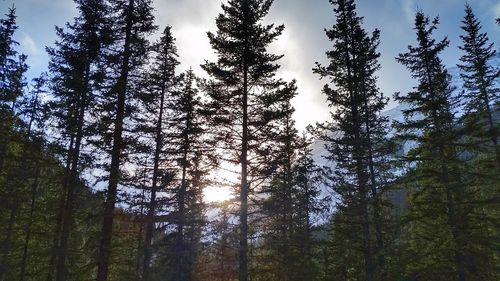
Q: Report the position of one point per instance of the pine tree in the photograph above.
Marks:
(479, 76)
(12, 81)
(23, 176)
(279, 194)
(442, 227)
(12, 87)
(75, 77)
(161, 83)
(219, 259)
(34, 110)
(355, 138)
(243, 71)
(309, 203)
(8, 59)
(291, 202)
(480, 140)
(133, 21)
(189, 160)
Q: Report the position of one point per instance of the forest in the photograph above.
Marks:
(105, 156)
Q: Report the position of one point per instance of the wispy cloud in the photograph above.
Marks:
(29, 46)
(190, 20)
(409, 8)
(496, 10)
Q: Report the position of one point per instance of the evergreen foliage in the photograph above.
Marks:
(355, 138)
(242, 78)
(107, 160)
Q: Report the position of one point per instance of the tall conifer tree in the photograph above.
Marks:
(479, 76)
(12, 87)
(12, 82)
(133, 22)
(355, 137)
(190, 159)
(76, 76)
(442, 205)
(243, 71)
(162, 81)
(279, 192)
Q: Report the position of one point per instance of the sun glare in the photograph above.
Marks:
(222, 181)
(217, 194)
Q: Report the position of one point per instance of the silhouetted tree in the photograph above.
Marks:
(190, 159)
(356, 136)
(161, 82)
(308, 205)
(12, 82)
(34, 110)
(12, 86)
(479, 75)
(133, 22)
(441, 210)
(243, 71)
(76, 75)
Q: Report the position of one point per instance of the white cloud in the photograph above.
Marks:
(190, 21)
(496, 10)
(409, 9)
(194, 47)
(29, 46)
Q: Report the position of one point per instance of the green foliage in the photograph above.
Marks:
(356, 143)
(113, 110)
(443, 230)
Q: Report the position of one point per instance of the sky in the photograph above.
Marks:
(303, 42)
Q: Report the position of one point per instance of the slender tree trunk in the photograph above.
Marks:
(33, 190)
(142, 228)
(307, 243)
(152, 204)
(62, 200)
(243, 249)
(114, 175)
(287, 215)
(179, 270)
(375, 198)
(67, 213)
(27, 237)
(367, 252)
(181, 274)
(453, 223)
(362, 185)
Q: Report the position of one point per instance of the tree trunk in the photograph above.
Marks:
(27, 237)
(152, 204)
(114, 174)
(140, 246)
(375, 197)
(453, 223)
(60, 209)
(243, 249)
(67, 213)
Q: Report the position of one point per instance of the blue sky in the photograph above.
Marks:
(303, 41)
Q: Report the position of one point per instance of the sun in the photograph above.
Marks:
(223, 181)
(217, 194)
